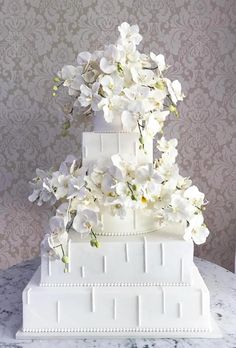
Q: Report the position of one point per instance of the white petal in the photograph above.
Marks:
(106, 66)
(129, 121)
(83, 58)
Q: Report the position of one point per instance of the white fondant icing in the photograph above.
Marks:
(28, 296)
(145, 258)
(141, 305)
(69, 256)
(130, 259)
(114, 308)
(100, 125)
(104, 264)
(104, 145)
(163, 301)
(139, 310)
(162, 254)
(126, 252)
(93, 300)
(134, 223)
(179, 309)
(58, 311)
(49, 267)
(82, 271)
(181, 269)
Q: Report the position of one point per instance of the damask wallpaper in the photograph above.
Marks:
(37, 37)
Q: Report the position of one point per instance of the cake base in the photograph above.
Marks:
(214, 333)
(117, 311)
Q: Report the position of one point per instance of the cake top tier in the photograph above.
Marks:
(125, 89)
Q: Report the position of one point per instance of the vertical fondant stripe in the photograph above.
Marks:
(28, 296)
(118, 142)
(181, 269)
(145, 254)
(126, 252)
(162, 254)
(82, 272)
(163, 300)
(114, 308)
(139, 310)
(69, 256)
(101, 143)
(201, 303)
(92, 300)
(179, 310)
(134, 219)
(49, 266)
(58, 311)
(104, 264)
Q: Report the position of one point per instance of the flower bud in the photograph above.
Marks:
(160, 85)
(56, 79)
(172, 108)
(94, 243)
(54, 88)
(65, 259)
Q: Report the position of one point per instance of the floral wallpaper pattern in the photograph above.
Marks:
(37, 37)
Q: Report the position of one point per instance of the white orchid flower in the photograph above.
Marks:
(111, 107)
(181, 208)
(112, 84)
(196, 229)
(85, 221)
(153, 126)
(72, 78)
(129, 120)
(175, 90)
(90, 96)
(129, 34)
(42, 188)
(113, 55)
(84, 58)
(56, 237)
(195, 196)
(143, 77)
(125, 167)
(164, 145)
(68, 74)
(159, 60)
(200, 234)
(76, 188)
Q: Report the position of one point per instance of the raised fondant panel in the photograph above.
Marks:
(156, 258)
(135, 222)
(103, 145)
(116, 306)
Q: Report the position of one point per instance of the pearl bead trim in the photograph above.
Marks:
(112, 284)
(111, 330)
(124, 234)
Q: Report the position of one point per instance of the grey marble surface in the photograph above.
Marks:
(221, 283)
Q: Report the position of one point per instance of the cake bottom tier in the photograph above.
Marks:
(147, 311)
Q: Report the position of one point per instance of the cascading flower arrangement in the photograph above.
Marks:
(122, 83)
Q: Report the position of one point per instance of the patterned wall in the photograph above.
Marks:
(37, 37)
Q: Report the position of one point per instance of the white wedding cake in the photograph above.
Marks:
(140, 216)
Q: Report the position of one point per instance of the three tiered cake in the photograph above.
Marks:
(141, 216)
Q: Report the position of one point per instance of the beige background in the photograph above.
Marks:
(37, 37)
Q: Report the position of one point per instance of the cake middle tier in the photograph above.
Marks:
(157, 258)
(96, 146)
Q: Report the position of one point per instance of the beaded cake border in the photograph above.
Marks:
(120, 284)
(124, 235)
(111, 330)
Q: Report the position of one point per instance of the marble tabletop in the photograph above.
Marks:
(221, 283)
